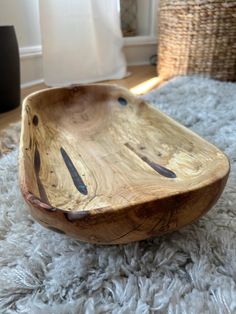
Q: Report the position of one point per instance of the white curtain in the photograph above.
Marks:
(82, 41)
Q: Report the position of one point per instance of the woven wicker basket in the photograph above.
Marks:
(197, 37)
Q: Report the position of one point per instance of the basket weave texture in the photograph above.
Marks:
(197, 37)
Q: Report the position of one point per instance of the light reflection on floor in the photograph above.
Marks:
(146, 86)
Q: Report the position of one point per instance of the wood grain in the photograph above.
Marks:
(138, 82)
(102, 165)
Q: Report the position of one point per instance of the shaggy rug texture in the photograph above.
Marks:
(189, 271)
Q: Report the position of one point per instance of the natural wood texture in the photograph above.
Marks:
(141, 80)
(102, 165)
(137, 80)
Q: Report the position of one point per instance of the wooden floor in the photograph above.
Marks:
(141, 80)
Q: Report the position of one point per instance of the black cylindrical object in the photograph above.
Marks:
(9, 69)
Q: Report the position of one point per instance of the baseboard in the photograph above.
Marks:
(138, 51)
(137, 63)
(140, 41)
(32, 83)
(35, 51)
(139, 55)
(30, 52)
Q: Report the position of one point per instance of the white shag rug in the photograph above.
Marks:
(189, 271)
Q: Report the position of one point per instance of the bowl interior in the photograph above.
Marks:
(97, 146)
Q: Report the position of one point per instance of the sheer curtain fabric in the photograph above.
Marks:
(81, 40)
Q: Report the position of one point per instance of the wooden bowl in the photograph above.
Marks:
(103, 166)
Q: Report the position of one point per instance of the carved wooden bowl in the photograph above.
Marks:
(103, 166)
